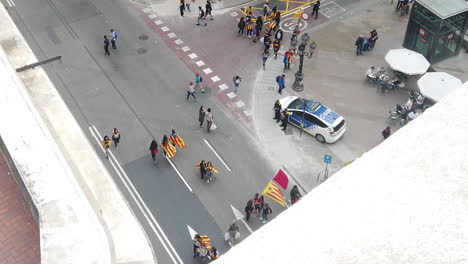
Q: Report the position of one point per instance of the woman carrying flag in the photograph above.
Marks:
(176, 140)
(169, 149)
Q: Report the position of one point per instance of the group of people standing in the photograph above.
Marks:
(110, 41)
(282, 116)
(259, 206)
(106, 142)
(366, 43)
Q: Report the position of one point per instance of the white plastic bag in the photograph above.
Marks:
(213, 126)
(237, 235)
(226, 236)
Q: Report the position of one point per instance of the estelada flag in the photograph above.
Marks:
(272, 24)
(170, 150)
(274, 193)
(178, 141)
(210, 167)
(282, 179)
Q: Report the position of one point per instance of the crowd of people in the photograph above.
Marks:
(366, 43)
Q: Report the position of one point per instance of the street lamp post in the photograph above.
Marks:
(298, 84)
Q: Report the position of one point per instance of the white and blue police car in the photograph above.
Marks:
(324, 124)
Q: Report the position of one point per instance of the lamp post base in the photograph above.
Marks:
(298, 85)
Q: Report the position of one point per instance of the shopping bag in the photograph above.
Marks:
(226, 236)
(213, 126)
(237, 235)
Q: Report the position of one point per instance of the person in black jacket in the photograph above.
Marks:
(279, 35)
(315, 9)
(241, 26)
(386, 133)
(359, 43)
(373, 38)
(248, 209)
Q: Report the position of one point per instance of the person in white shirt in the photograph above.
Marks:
(191, 91)
(413, 114)
(420, 101)
(371, 73)
(209, 119)
(113, 38)
(409, 104)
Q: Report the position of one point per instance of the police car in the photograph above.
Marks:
(315, 118)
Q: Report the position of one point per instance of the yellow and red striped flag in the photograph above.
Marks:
(274, 192)
(170, 150)
(178, 141)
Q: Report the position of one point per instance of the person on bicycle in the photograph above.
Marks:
(106, 142)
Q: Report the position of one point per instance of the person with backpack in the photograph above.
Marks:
(241, 26)
(237, 80)
(266, 210)
(199, 82)
(201, 16)
(114, 37)
(248, 209)
(281, 83)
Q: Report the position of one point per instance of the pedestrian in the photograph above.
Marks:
(249, 10)
(399, 4)
(265, 212)
(153, 150)
(106, 142)
(208, 10)
(315, 9)
(199, 83)
(114, 37)
(258, 30)
(241, 26)
(191, 91)
(279, 35)
(249, 29)
(202, 170)
(182, 7)
(209, 119)
(386, 133)
(296, 32)
(281, 83)
(277, 20)
(284, 120)
(288, 58)
(265, 57)
(116, 136)
(267, 42)
(266, 10)
(106, 46)
(187, 5)
(201, 115)
(236, 79)
(276, 47)
(277, 109)
(258, 203)
(233, 232)
(248, 209)
(295, 194)
(201, 16)
(373, 38)
(359, 43)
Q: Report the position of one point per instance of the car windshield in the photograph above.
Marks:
(310, 105)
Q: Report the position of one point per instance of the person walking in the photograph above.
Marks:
(199, 83)
(237, 80)
(191, 91)
(359, 43)
(248, 209)
(258, 203)
(208, 9)
(187, 5)
(373, 38)
(267, 42)
(182, 7)
(201, 115)
(209, 119)
(288, 57)
(266, 211)
(153, 150)
(284, 120)
(276, 47)
(277, 109)
(202, 169)
(106, 46)
(315, 9)
(266, 10)
(233, 232)
(241, 26)
(116, 137)
(295, 194)
(114, 37)
(281, 84)
(279, 35)
(265, 57)
(386, 133)
(201, 16)
(106, 142)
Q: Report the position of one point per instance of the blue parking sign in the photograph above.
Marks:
(327, 159)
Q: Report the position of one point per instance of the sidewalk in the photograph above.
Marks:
(19, 234)
(335, 77)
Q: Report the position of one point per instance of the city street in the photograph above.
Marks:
(141, 90)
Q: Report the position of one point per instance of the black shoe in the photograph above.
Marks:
(277, 121)
(283, 129)
(197, 24)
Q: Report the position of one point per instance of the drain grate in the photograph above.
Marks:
(141, 51)
(143, 37)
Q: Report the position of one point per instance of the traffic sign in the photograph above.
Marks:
(327, 159)
(305, 16)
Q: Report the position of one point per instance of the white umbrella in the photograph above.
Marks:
(407, 61)
(436, 85)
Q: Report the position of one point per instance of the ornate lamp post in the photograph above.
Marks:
(298, 85)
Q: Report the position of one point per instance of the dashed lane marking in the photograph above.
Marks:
(231, 95)
(171, 35)
(200, 63)
(158, 22)
(239, 104)
(164, 29)
(247, 113)
(234, 14)
(207, 71)
(152, 16)
(223, 86)
(186, 48)
(193, 56)
(215, 78)
(178, 41)
(217, 155)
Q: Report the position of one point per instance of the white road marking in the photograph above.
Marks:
(139, 201)
(152, 16)
(207, 71)
(223, 86)
(239, 104)
(164, 29)
(191, 231)
(247, 113)
(217, 155)
(147, 10)
(240, 216)
(11, 3)
(186, 48)
(178, 41)
(200, 63)
(193, 56)
(180, 175)
(233, 14)
(158, 22)
(171, 35)
(231, 95)
(215, 78)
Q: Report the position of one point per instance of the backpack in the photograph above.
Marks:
(116, 35)
(278, 78)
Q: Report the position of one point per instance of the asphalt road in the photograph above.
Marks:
(144, 96)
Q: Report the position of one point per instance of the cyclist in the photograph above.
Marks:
(106, 142)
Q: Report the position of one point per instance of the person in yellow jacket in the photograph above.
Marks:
(106, 142)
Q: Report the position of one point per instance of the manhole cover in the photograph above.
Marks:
(141, 51)
(143, 37)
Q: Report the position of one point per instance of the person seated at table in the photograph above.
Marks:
(413, 115)
(396, 81)
(409, 104)
(420, 101)
(371, 73)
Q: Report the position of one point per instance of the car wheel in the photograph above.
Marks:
(320, 138)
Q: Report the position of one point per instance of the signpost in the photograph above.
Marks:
(327, 159)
